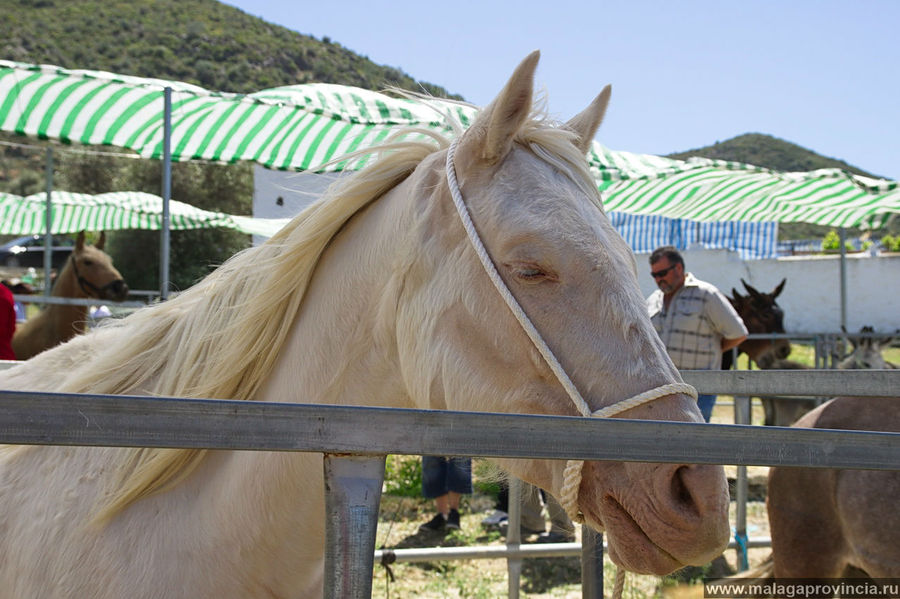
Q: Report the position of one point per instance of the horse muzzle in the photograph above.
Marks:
(115, 291)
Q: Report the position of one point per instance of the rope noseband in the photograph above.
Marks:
(572, 473)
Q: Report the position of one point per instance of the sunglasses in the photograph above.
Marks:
(661, 273)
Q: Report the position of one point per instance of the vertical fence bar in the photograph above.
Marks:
(514, 537)
(591, 563)
(741, 416)
(352, 498)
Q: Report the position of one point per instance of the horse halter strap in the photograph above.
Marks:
(572, 473)
(84, 283)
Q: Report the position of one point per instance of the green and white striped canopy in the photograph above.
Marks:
(706, 190)
(299, 127)
(74, 212)
(303, 127)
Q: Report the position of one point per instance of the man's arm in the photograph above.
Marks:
(729, 343)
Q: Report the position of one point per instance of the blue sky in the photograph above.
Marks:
(819, 73)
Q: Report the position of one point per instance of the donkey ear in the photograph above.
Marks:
(779, 289)
(586, 123)
(79, 241)
(490, 137)
(750, 289)
(102, 241)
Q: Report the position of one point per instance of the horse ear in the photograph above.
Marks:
(490, 136)
(102, 241)
(586, 123)
(779, 289)
(79, 241)
(737, 296)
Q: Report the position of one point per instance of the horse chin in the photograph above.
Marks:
(629, 546)
(766, 361)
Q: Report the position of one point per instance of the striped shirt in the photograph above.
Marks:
(694, 324)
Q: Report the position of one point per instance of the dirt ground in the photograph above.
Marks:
(540, 578)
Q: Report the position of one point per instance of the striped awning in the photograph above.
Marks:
(298, 127)
(73, 212)
(303, 127)
(706, 190)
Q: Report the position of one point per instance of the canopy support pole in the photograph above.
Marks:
(843, 238)
(48, 229)
(166, 195)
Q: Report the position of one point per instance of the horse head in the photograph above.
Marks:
(762, 314)
(93, 272)
(865, 351)
(539, 215)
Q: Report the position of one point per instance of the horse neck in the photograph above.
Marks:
(342, 349)
(67, 320)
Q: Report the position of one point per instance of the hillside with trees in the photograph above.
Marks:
(221, 48)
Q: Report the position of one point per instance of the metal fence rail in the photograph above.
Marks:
(76, 419)
(830, 383)
(356, 439)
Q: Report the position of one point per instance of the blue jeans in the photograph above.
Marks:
(441, 475)
(706, 403)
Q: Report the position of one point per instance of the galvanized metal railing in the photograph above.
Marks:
(354, 462)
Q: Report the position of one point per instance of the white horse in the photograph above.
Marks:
(372, 296)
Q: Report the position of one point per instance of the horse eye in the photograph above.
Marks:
(532, 274)
(88, 262)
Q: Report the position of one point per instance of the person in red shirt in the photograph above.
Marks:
(7, 323)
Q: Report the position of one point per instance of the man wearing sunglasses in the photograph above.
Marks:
(694, 320)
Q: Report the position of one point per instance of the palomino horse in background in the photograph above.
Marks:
(88, 273)
(829, 523)
(761, 314)
(374, 295)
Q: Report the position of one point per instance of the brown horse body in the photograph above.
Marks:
(88, 273)
(829, 523)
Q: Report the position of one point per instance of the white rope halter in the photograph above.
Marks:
(572, 473)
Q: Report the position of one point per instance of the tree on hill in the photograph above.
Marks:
(203, 42)
(768, 152)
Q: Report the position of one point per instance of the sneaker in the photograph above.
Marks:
(523, 530)
(439, 522)
(494, 520)
(556, 537)
(453, 520)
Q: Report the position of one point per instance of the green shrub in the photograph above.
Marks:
(832, 242)
(891, 243)
(403, 476)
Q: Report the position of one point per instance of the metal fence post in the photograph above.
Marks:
(591, 563)
(742, 413)
(352, 498)
(514, 537)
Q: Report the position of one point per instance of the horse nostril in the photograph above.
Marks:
(118, 289)
(681, 491)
